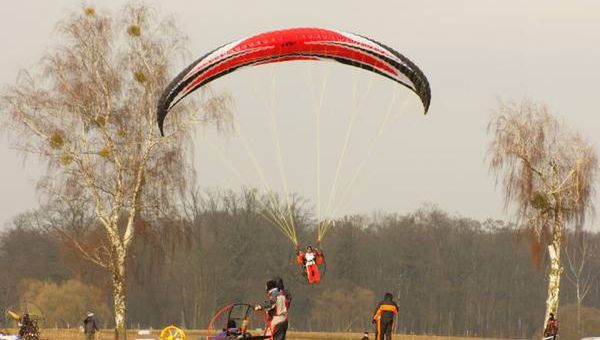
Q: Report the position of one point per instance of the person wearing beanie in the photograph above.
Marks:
(90, 326)
(277, 311)
(384, 317)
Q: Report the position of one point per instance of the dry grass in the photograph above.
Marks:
(74, 334)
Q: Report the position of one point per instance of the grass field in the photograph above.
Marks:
(74, 334)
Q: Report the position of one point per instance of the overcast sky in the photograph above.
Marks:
(474, 53)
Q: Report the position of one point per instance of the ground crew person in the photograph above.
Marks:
(277, 312)
(384, 317)
(551, 331)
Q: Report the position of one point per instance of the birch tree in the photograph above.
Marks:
(547, 172)
(89, 114)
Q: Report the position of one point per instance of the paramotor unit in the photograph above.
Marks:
(28, 322)
(237, 321)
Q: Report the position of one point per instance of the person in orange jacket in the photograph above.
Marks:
(384, 317)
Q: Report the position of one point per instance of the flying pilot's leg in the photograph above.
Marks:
(310, 273)
(317, 275)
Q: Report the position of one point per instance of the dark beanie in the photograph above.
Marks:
(271, 284)
(279, 282)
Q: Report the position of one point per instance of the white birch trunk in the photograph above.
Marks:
(553, 278)
(119, 297)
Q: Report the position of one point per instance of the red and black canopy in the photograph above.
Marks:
(295, 44)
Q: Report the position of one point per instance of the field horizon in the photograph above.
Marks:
(106, 334)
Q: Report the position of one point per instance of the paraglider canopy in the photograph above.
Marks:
(295, 44)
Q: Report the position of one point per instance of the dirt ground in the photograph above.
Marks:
(74, 334)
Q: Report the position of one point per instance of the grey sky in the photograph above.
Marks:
(473, 52)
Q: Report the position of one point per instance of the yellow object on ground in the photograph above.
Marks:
(172, 333)
(13, 315)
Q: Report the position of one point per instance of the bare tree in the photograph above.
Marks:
(579, 252)
(547, 173)
(91, 116)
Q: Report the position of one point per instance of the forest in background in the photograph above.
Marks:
(451, 275)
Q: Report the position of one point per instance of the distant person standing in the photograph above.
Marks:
(28, 328)
(90, 327)
(551, 331)
(384, 317)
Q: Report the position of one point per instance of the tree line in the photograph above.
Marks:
(451, 275)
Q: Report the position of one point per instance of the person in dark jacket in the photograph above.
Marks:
(551, 331)
(384, 317)
(28, 328)
(90, 327)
